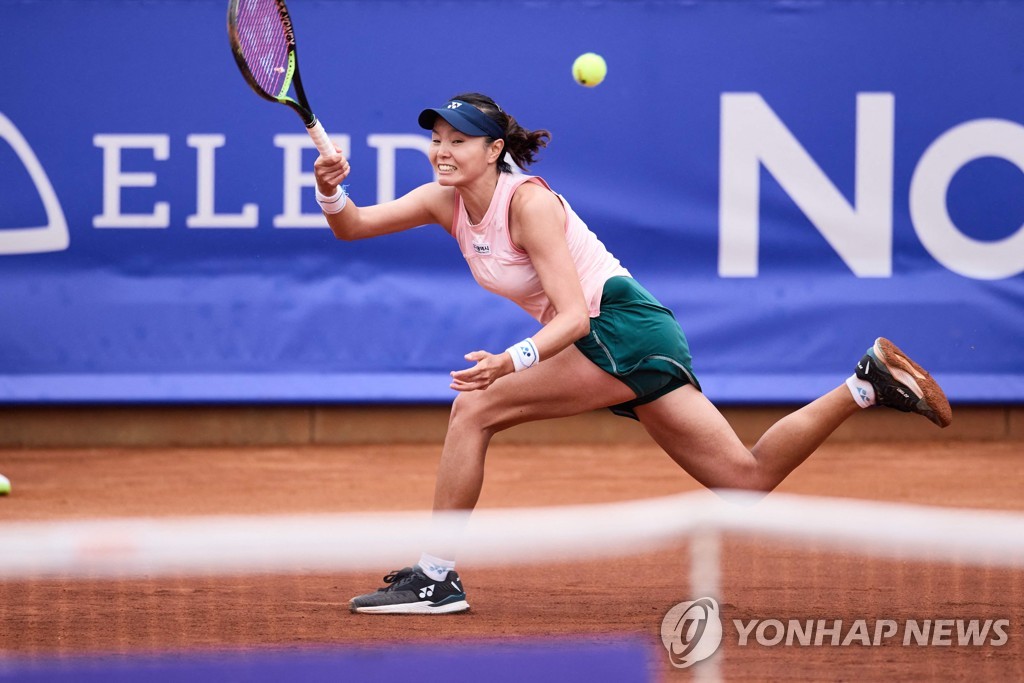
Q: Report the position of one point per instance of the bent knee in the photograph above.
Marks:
(471, 410)
(739, 474)
(754, 477)
(483, 411)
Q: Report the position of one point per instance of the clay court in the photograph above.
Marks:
(344, 466)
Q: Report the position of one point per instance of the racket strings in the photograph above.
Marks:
(264, 45)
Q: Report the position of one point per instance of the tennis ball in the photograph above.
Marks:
(589, 69)
(5, 485)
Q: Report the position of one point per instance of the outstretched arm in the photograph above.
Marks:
(429, 203)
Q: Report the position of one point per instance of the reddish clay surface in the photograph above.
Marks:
(600, 601)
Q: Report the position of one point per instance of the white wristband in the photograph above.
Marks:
(334, 203)
(524, 354)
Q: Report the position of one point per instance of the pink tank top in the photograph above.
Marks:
(500, 267)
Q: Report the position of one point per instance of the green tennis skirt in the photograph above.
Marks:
(638, 341)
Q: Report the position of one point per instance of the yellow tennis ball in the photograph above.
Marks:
(589, 69)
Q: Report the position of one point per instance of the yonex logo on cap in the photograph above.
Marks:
(464, 117)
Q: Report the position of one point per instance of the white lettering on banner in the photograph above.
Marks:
(295, 179)
(205, 215)
(114, 180)
(951, 151)
(386, 146)
(34, 239)
(752, 136)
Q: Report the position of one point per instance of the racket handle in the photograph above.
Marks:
(320, 139)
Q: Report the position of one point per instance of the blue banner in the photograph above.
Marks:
(792, 178)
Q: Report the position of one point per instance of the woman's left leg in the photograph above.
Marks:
(565, 384)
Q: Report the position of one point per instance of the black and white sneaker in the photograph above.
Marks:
(410, 591)
(902, 384)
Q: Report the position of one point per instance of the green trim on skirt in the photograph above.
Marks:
(638, 341)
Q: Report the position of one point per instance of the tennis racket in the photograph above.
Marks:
(263, 41)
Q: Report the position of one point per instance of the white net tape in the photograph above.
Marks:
(222, 545)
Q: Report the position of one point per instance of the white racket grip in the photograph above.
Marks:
(320, 139)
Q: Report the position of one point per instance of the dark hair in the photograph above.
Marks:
(520, 143)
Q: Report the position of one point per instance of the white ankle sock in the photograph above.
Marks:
(435, 567)
(863, 392)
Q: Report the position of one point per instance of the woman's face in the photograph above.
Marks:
(459, 159)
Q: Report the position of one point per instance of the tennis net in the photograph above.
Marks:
(805, 587)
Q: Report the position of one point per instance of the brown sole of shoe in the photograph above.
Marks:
(930, 389)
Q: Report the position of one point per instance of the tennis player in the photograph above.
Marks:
(603, 340)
